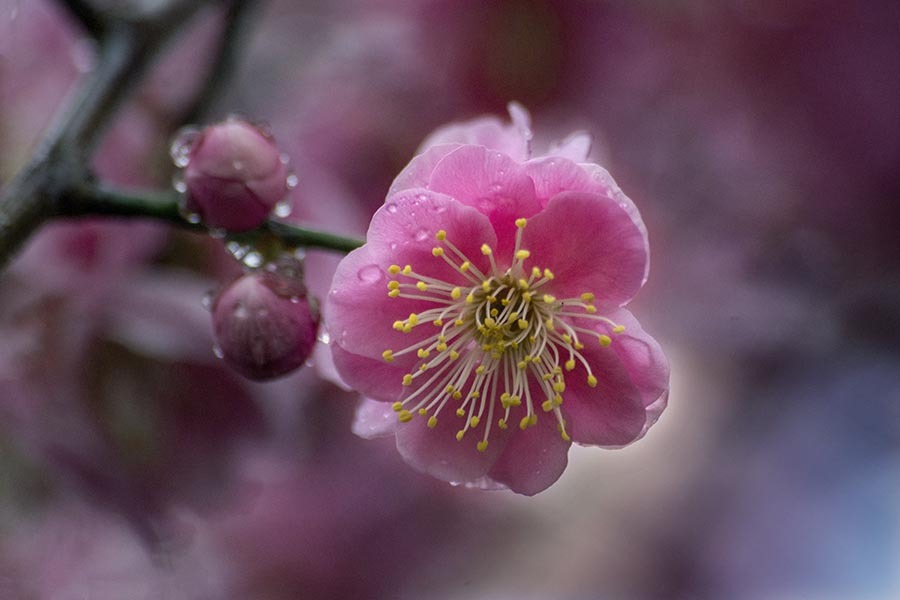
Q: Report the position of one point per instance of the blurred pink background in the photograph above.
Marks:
(761, 141)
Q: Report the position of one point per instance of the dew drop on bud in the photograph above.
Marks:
(292, 181)
(283, 209)
(253, 259)
(217, 233)
(284, 158)
(180, 150)
(217, 350)
(207, 300)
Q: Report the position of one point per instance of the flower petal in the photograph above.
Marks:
(438, 453)
(611, 414)
(369, 376)
(417, 173)
(513, 140)
(359, 312)
(491, 182)
(374, 419)
(591, 245)
(533, 459)
(574, 147)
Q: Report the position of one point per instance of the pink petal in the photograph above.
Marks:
(646, 364)
(513, 140)
(417, 173)
(591, 245)
(358, 310)
(374, 419)
(491, 182)
(575, 147)
(610, 414)
(438, 453)
(369, 376)
(533, 459)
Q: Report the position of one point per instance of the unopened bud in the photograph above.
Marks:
(234, 176)
(264, 325)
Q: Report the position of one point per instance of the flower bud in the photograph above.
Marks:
(234, 176)
(264, 325)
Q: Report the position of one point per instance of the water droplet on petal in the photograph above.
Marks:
(292, 181)
(422, 197)
(217, 350)
(392, 208)
(295, 299)
(238, 165)
(370, 274)
(393, 245)
(283, 209)
(324, 337)
(217, 233)
(284, 158)
(421, 234)
(207, 300)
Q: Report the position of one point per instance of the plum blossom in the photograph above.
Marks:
(486, 309)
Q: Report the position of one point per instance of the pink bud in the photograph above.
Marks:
(234, 176)
(264, 325)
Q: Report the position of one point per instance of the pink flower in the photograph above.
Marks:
(486, 308)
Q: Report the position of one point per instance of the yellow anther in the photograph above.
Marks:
(394, 269)
(475, 394)
(504, 399)
(604, 340)
(423, 353)
(394, 293)
(482, 445)
(397, 406)
(549, 299)
(559, 386)
(479, 369)
(441, 347)
(449, 389)
(405, 416)
(592, 381)
(547, 405)
(393, 284)
(457, 395)
(470, 298)
(423, 411)
(548, 274)
(486, 250)
(565, 436)
(398, 325)
(522, 323)
(522, 364)
(454, 355)
(523, 424)
(521, 223)
(513, 316)
(558, 400)
(438, 323)
(465, 266)
(579, 346)
(460, 412)
(459, 322)
(587, 297)
(455, 293)
(549, 324)
(522, 254)
(423, 367)
(547, 376)
(570, 364)
(490, 322)
(406, 270)
(494, 312)
(486, 285)
(413, 319)
(422, 286)
(407, 379)
(460, 434)
(532, 420)
(590, 309)
(432, 422)
(440, 235)
(515, 401)
(523, 284)
(502, 424)
(527, 296)
(567, 338)
(388, 355)
(618, 329)
(474, 421)
(504, 301)
(437, 251)
(406, 328)
(535, 272)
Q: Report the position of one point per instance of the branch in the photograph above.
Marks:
(101, 201)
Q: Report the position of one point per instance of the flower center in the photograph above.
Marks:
(502, 346)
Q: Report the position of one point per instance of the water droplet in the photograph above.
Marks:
(300, 253)
(217, 350)
(324, 337)
(253, 259)
(178, 182)
(422, 197)
(217, 233)
(238, 165)
(284, 158)
(189, 216)
(393, 245)
(392, 208)
(370, 274)
(184, 140)
(295, 299)
(421, 234)
(292, 181)
(207, 300)
(283, 209)
(496, 187)
(236, 250)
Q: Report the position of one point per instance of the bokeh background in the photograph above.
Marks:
(759, 138)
